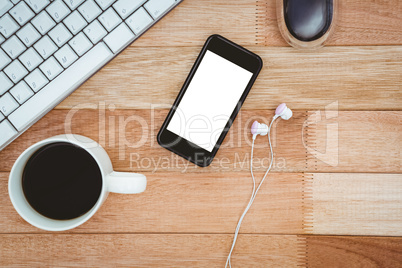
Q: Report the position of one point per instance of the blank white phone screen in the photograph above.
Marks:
(209, 101)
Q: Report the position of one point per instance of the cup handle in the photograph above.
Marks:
(126, 183)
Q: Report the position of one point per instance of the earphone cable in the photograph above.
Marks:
(254, 192)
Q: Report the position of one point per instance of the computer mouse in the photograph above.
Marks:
(306, 20)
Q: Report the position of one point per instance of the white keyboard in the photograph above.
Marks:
(49, 48)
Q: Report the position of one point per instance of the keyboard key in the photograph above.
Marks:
(73, 4)
(5, 83)
(28, 35)
(104, 4)
(95, 32)
(8, 26)
(37, 5)
(60, 35)
(4, 59)
(61, 87)
(21, 92)
(75, 22)
(158, 7)
(43, 22)
(66, 56)
(45, 47)
(139, 20)
(50, 93)
(7, 104)
(22, 13)
(89, 10)
(7, 131)
(36, 80)
(58, 10)
(15, 71)
(126, 7)
(51, 68)
(13, 46)
(5, 5)
(109, 19)
(30, 59)
(80, 44)
(119, 38)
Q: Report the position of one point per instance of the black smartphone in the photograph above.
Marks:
(209, 100)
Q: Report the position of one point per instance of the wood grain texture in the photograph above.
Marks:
(367, 252)
(193, 21)
(144, 250)
(361, 141)
(346, 99)
(354, 141)
(249, 22)
(358, 23)
(197, 250)
(347, 119)
(188, 203)
(318, 203)
(304, 80)
(356, 204)
(129, 137)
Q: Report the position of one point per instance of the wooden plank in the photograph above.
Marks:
(359, 23)
(144, 250)
(362, 142)
(146, 77)
(319, 203)
(187, 203)
(193, 21)
(323, 251)
(249, 22)
(197, 250)
(355, 204)
(129, 137)
(354, 141)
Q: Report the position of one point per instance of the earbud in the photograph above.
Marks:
(283, 111)
(261, 129)
(258, 129)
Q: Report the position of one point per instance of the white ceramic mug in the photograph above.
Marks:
(117, 182)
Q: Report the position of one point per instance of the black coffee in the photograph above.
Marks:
(62, 181)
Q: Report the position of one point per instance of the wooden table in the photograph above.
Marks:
(334, 198)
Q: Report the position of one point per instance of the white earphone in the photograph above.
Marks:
(283, 111)
(259, 129)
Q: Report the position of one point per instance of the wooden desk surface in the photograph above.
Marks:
(334, 198)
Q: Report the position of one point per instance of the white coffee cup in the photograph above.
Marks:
(117, 182)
